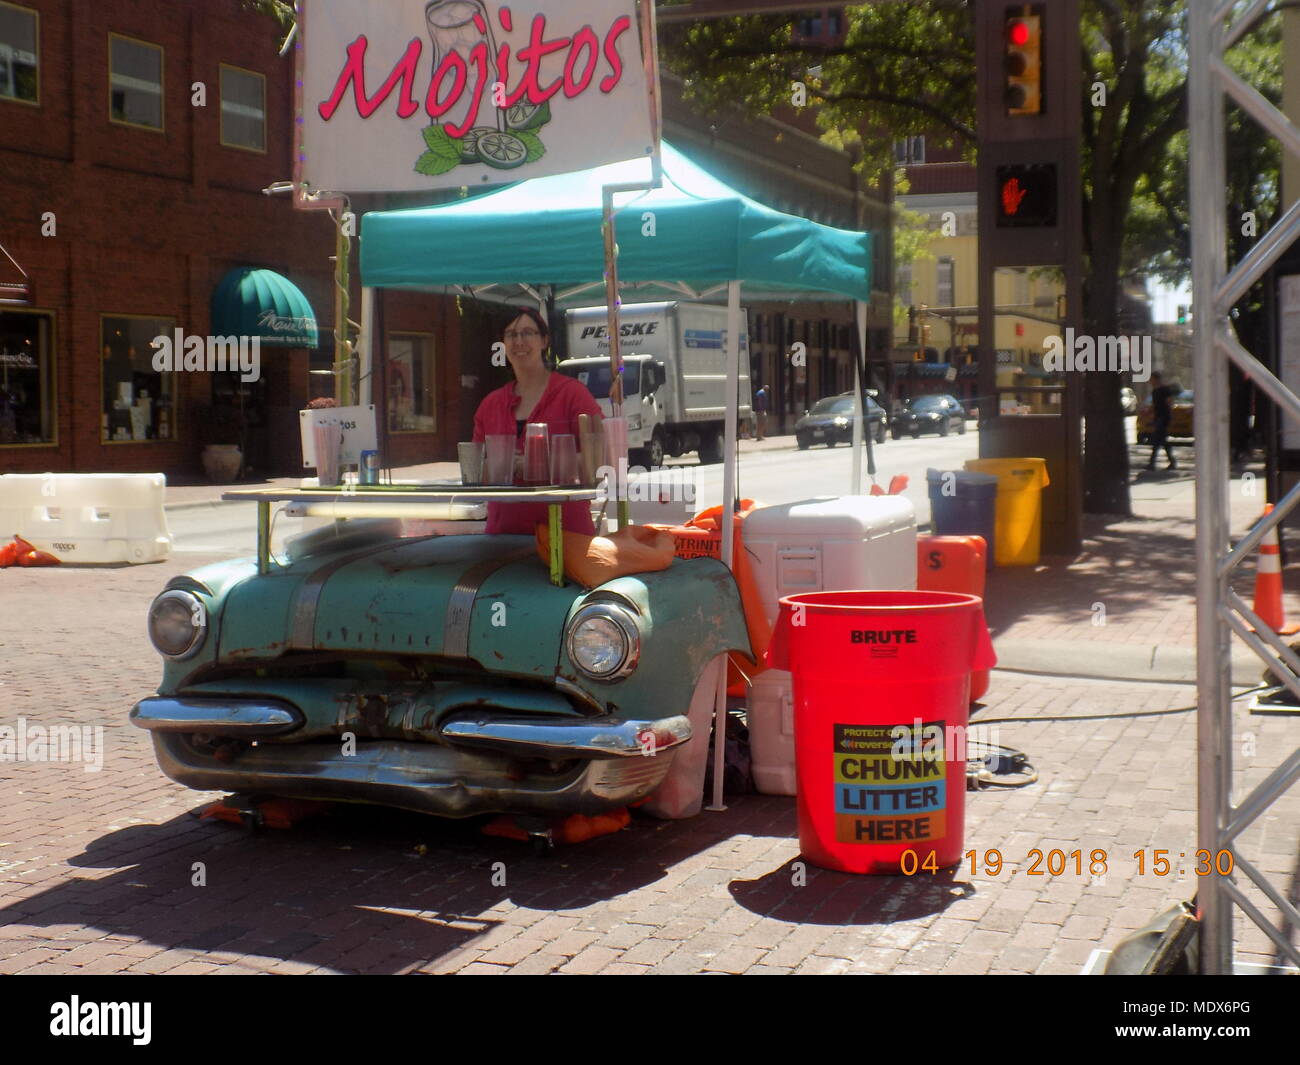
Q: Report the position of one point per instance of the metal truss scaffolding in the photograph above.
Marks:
(1213, 27)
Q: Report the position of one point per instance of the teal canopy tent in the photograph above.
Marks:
(686, 240)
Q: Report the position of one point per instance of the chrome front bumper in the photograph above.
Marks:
(473, 762)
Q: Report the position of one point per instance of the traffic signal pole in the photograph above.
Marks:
(1030, 204)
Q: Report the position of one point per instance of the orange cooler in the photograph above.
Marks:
(881, 694)
(954, 564)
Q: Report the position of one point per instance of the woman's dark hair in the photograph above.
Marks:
(534, 316)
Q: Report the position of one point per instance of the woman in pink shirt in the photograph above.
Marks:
(536, 395)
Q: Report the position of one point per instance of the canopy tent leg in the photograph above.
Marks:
(734, 327)
(859, 414)
(365, 348)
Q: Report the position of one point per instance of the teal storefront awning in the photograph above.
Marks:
(261, 303)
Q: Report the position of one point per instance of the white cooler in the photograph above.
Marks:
(831, 543)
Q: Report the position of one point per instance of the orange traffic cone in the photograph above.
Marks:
(1268, 580)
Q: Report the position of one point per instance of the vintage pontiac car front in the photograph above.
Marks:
(443, 674)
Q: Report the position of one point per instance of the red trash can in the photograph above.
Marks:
(881, 697)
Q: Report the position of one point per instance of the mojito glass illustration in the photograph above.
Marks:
(452, 29)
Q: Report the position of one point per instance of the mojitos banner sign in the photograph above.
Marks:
(412, 94)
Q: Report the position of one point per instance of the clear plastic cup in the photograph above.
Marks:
(564, 460)
(499, 460)
(327, 438)
(471, 462)
(537, 454)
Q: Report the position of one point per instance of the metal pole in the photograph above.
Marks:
(1209, 259)
(728, 523)
(366, 348)
(855, 485)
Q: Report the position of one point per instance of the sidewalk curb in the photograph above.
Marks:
(1142, 663)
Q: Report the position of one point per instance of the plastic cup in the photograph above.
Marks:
(499, 459)
(471, 462)
(328, 438)
(537, 454)
(564, 459)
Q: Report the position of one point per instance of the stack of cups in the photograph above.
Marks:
(328, 438)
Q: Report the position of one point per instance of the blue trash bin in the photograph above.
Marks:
(967, 508)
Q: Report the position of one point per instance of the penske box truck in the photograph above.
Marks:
(674, 374)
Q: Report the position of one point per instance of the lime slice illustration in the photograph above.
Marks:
(524, 115)
(469, 143)
(504, 151)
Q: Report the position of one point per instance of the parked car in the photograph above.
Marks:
(929, 414)
(831, 422)
(443, 674)
(1128, 401)
(1181, 407)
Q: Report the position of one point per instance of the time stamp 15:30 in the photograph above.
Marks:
(1154, 862)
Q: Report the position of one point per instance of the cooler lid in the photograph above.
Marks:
(845, 517)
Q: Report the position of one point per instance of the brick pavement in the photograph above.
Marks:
(97, 869)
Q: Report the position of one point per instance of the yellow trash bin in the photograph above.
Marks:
(1018, 528)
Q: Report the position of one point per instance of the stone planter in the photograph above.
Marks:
(221, 462)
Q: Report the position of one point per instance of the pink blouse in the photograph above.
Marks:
(561, 403)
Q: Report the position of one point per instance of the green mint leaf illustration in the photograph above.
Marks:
(536, 149)
(443, 153)
(430, 164)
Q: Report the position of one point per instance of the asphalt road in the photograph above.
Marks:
(228, 530)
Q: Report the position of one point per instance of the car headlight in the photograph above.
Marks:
(841, 421)
(178, 623)
(604, 641)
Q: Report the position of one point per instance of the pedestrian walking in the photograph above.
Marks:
(760, 411)
(1162, 414)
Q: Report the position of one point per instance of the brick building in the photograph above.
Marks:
(136, 139)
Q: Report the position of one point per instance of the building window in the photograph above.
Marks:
(26, 377)
(826, 26)
(909, 150)
(905, 283)
(945, 283)
(135, 82)
(411, 376)
(138, 400)
(19, 54)
(243, 109)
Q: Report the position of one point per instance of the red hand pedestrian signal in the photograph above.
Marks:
(1012, 194)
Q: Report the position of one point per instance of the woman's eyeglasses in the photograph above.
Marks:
(520, 334)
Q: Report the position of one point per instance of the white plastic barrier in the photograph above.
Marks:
(88, 517)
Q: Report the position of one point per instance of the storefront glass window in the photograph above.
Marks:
(138, 400)
(19, 54)
(26, 378)
(243, 109)
(135, 82)
(411, 395)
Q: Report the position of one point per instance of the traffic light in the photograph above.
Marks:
(1182, 314)
(1023, 90)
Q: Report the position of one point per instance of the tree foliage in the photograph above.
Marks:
(906, 69)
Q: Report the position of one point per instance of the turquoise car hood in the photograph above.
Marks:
(482, 598)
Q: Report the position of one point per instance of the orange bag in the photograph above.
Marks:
(593, 560)
(37, 557)
(8, 555)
